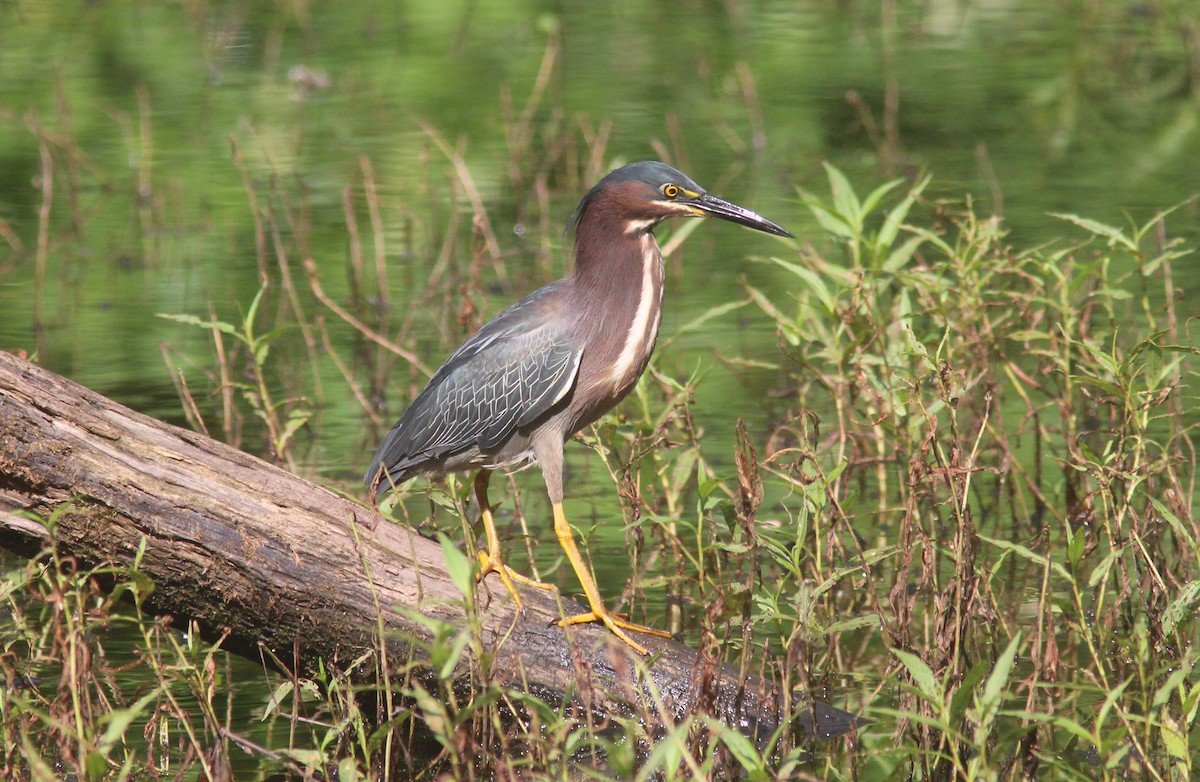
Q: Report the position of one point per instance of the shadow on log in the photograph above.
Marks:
(237, 543)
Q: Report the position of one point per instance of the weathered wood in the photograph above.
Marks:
(235, 542)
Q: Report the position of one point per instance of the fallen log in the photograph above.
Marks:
(234, 542)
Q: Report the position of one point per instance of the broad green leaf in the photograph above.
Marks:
(433, 714)
(866, 620)
(1031, 556)
(1073, 727)
(1150, 267)
(1167, 689)
(871, 201)
(458, 566)
(900, 257)
(1101, 571)
(1107, 386)
(1176, 525)
(309, 758)
(965, 691)
(768, 306)
(1114, 235)
(845, 202)
(935, 240)
(922, 675)
(453, 655)
(744, 752)
(347, 770)
(896, 217)
(1176, 742)
(812, 280)
(119, 721)
(1182, 608)
(273, 703)
(831, 221)
(1111, 699)
(993, 690)
(684, 466)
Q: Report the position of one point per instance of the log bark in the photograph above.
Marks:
(237, 543)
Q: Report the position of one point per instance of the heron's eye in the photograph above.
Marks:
(670, 191)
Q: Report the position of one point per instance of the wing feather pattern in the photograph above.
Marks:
(506, 375)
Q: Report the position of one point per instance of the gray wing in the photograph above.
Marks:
(506, 375)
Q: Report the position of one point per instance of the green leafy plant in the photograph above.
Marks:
(282, 418)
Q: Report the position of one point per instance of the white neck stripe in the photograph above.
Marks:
(642, 333)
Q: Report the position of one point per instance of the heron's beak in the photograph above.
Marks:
(711, 206)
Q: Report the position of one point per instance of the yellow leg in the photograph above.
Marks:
(490, 560)
(598, 613)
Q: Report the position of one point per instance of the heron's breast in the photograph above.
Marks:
(625, 331)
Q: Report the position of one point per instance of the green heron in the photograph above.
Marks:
(554, 362)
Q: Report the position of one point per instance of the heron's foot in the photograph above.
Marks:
(617, 624)
(491, 563)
